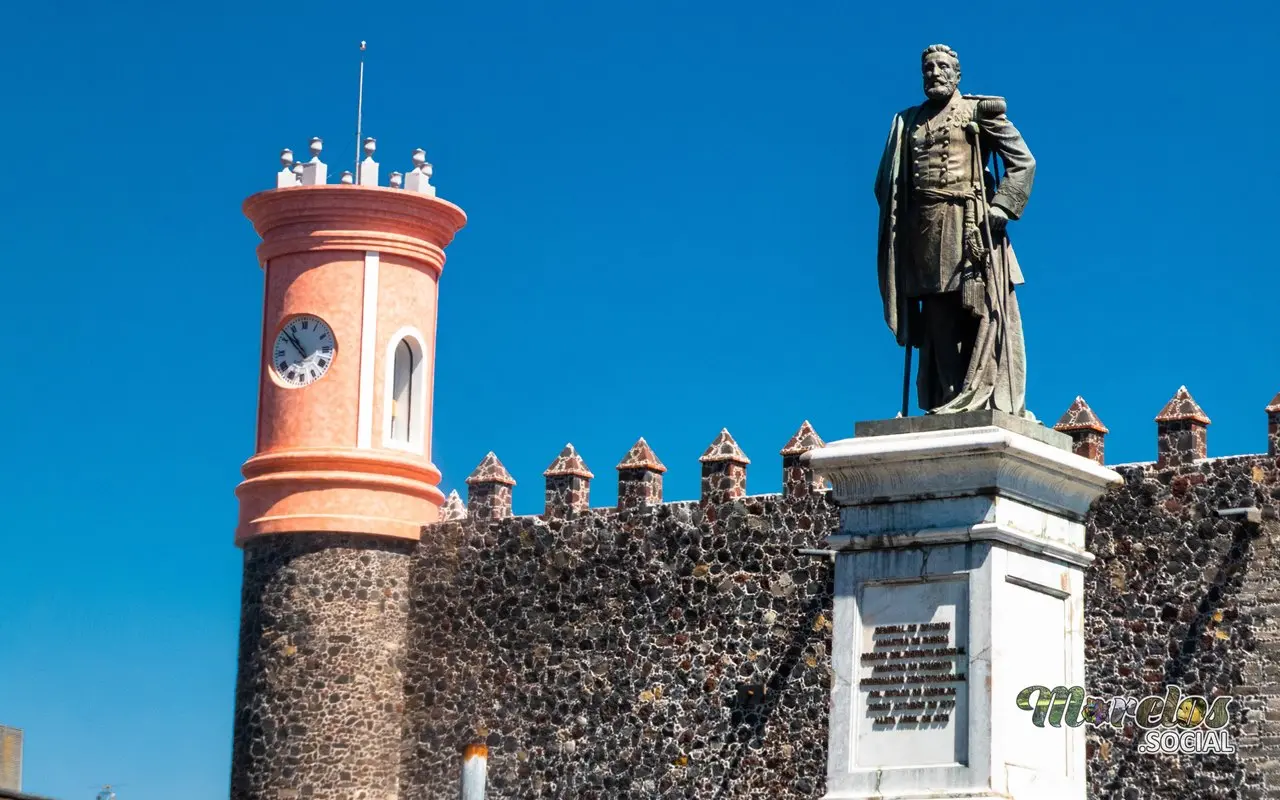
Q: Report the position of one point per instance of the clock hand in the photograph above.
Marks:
(296, 346)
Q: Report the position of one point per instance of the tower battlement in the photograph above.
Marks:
(315, 172)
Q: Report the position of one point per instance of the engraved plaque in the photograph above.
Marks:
(912, 695)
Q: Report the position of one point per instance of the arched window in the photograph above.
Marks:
(406, 391)
(402, 392)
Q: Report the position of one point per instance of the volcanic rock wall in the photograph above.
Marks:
(319, 693)
(681, 650)
(1185, 591)
(672, 650)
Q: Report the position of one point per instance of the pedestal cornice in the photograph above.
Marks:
(964, 462)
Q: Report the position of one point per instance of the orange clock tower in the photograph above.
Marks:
(341, 479)
(348, 347)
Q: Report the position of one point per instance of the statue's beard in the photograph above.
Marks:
(939, 91)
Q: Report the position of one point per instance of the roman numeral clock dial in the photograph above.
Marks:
(303, 351)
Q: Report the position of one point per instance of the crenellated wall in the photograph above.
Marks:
(1185, 590)
(656, 649)
(681, 649)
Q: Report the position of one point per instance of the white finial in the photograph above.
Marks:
(289, 171)
(314, 172)
(347, 178)
(420, 179)
(297, 169)
(368, 169)
(396, 180)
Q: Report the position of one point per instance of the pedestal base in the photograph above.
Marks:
(958, 583)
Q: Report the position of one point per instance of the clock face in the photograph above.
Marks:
(303, 351)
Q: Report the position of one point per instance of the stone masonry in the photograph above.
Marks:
(320, 693)
(640, 477)
(1088, 434)
(1182, 428)
(568, 484)
(673, 650)
(1186, 590)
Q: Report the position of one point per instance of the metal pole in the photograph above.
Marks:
(359, 113)
(475, 764)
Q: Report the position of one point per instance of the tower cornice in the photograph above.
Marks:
(302, 219)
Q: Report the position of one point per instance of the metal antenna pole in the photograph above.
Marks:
(359, 112)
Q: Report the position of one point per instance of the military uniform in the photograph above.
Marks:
(947, 289)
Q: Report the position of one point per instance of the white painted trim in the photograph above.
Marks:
(264, 366)
(431, 377)
(368, 340)
(417, 414)
(981, 532)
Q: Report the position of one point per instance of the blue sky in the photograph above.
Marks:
(671, 231)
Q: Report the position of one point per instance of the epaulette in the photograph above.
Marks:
(989, 106)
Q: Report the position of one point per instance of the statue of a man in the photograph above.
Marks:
(947, 271)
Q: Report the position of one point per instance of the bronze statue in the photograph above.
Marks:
(947, 271)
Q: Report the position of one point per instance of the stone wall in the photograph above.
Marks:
(1181, 594)
(319, 695)
(675, 651)
(681, 650)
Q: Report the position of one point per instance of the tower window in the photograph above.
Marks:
(402, 392)
(406, 392)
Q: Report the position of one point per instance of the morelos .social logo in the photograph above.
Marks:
(1170, 724)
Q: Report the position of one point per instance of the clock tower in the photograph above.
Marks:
(348, 350)
(341, 479)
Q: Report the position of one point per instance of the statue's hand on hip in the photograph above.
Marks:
(999, 219)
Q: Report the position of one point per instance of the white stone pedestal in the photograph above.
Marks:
(958, 583)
